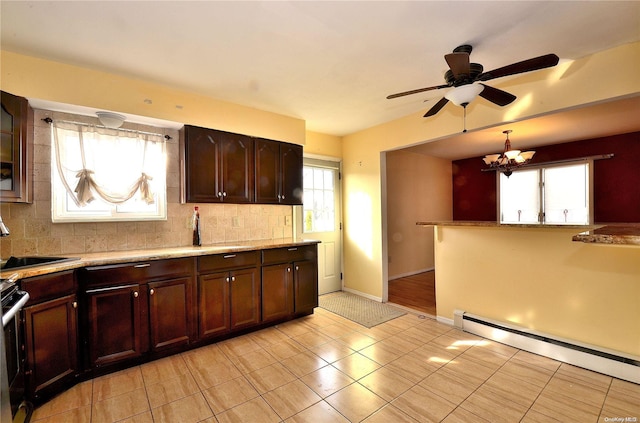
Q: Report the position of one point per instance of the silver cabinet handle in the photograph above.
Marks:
(228, 256)
(292, 249)
(140, 266)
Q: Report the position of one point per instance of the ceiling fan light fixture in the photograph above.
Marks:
(464, 94)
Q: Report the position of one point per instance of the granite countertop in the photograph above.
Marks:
(113, 257)
(609, 233)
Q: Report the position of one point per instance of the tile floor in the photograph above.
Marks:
(323, 368)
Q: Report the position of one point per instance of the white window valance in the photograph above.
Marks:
(113, 164)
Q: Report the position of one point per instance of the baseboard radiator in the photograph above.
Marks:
(612, 363)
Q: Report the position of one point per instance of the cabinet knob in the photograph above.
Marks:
(288, 269)
(297, 268)
(233, 278)
(135, 294)
(151, 291)
(224, 194)
(219, 194)
(74, 304)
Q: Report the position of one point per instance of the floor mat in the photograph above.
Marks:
(361, 310)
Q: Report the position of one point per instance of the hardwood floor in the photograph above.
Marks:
(416, 291)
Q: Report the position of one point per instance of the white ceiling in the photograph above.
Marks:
(329, 63)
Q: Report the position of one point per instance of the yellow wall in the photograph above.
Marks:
(323, 145)
(539, 279)
(46, 80)
(594, 78)
(419, 188)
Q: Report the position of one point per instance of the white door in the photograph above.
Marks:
(321, 219)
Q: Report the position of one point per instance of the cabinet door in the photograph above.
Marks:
(16, 153)
(169, 306)
(267, 171)
(277, 292)
(237, 169)
(244, 296)
(305, 285)
(51, 343)
(291, 162)
(115, 329)
(202, 149)
(213, 305)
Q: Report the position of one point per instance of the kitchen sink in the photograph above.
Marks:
(22, 262)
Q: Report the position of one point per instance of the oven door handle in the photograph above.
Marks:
(10, 314)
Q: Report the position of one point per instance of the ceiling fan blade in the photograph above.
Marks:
(419, 90)
(496, 96)
(436, 108)
(536, 63)
(458, 63)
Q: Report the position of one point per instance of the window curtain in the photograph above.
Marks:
(109, 163)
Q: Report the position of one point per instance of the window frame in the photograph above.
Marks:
(540, 192)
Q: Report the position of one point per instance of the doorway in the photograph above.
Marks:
(321, 219)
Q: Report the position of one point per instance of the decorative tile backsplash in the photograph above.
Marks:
(33, 233)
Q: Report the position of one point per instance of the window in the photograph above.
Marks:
(101, 174)
(319, 199)
(558, 195)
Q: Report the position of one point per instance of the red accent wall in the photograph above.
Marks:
(616, 187)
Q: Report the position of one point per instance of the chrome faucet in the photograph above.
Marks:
(4, 231)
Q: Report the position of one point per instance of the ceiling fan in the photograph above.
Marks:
(467, 79)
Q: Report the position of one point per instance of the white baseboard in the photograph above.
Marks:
(362, 294)
(444, 320)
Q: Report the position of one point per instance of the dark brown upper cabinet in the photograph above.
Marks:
(278, 172)
(16, 152)
(216, 166)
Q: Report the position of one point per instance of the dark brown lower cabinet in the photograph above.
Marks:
(51, 344)
(277, 292)
(169, 313)
(115, 324)
(228, 301)
(305, 275)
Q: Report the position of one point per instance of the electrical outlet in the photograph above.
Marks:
(235, 222)
(287, 220)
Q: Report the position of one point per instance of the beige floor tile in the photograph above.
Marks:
(386, 383)
(416, 334)
(145, 417)
(356, 365)
(623, 399)
(229, 394)
(460, 415)
(171, 389)
(320, 412)
(402, 343)
(454, 342)
(519, 369)
(238, 346)
(75, 415)
(268, 336)
(255, 410)
(118, 383)
(475, 374)
(291, 398)
(404, 322)
(536, 360)
(254, 360)
(332, 351)
(587, 377)
(335, 330)
(191, 409)
(413, 367)
(565, 408)
(448, 386)
(312, 339)
(496, 405)
(78, 396)
(578, 389)
(215, 374)
(486, 357)
(423, 405)
(270, 378)
(388, 414)
(516, 390)
(120, 407)
(204, 356)
(326, 381)
(285, 349)
(356, 341)
(355, 402)
(303, 363)
(436, 354)
(382, 352)
(293, 328)
(164, 368)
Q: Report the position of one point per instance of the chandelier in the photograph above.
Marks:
(509, 159)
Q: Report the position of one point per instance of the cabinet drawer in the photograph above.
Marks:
(289, 254)
(207, 264)
(135, 272)
(46, 287)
